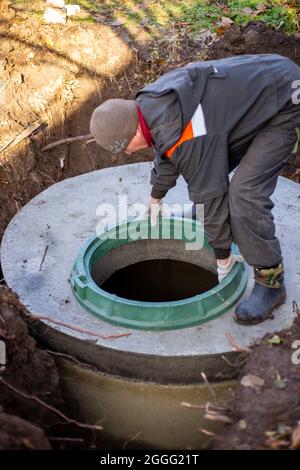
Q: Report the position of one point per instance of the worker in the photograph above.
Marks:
(205, 120)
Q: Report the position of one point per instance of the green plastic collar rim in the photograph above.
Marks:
(151, 315)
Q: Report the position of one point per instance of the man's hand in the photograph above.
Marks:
(226, 265)
(154, 209)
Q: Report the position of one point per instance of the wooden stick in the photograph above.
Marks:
(44, 256)
(25, 133)
(69, 140)
(235, 345)
(203, 375)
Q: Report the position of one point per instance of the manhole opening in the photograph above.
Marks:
(153, 283)
(160, 280)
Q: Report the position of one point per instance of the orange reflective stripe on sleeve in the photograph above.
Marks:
(195, 128)
(186, 135)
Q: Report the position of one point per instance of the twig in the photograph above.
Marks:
(203, 375)
(205, 431)
(67, 439)
(189, 405)
(214, 409)
(90, 155)
(49, 407)
(296, 173)
(80, 330)
(46, 176)
(132, 439)
(37, 126)
(238, 364)
(68, 140)
(222, 418)
(44, 256)
(236, 346)
(126, 78)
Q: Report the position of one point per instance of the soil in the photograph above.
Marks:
(31, 371)
(54, 76)
(266, 405)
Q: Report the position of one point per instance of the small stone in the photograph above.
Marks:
(72, 10)
(253, 381)
(55, 15)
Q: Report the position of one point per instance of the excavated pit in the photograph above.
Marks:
(153, 371)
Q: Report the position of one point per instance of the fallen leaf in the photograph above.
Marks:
(118, 22)
(99, 18)
(261, 7)
(247, 10)
(225, 21)
(296, 437)
(220, 30)
(275, 340)
(242, 424)
(252, 381)
(280, 383)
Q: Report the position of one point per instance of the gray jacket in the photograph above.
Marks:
(238, 96)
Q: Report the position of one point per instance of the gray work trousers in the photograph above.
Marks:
(254, 180)
(244, 213)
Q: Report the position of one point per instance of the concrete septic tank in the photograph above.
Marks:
(139, 380)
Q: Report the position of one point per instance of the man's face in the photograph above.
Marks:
(138, 142)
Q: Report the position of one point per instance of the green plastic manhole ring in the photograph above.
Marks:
(152, 315)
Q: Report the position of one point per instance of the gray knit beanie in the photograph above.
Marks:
(114, 123)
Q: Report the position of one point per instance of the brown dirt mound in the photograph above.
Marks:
(266, 406)
(31, 371)
(29, 368)
(255, 38)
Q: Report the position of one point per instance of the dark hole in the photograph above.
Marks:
(160, 280)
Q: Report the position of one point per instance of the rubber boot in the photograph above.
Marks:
(268, 293)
